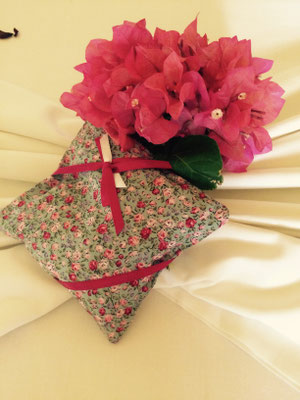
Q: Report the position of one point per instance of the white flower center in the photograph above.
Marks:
(216, 113)
(134, 102)
(89, 98)
(242, 96)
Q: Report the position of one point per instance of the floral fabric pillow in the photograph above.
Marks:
(73, 236)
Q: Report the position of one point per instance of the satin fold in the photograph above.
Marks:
(243, 278)
(243, 281)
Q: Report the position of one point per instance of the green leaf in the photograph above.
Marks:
(196, 158)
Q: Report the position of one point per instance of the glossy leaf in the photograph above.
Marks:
(195, 158)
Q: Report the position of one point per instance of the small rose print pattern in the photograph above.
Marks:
(72, 236)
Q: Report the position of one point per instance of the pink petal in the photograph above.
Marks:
(230, 127)
(79, 102)
(160, 131)
(126, 142)
(267, 101)
(224, 56)
(195, 62)
(262, 140)
(139, 65)
(92, 114)
(203, 119)
(84, 68)
(237, 81)
(130, 34)
(120, 110)
(236, 152)
(185, 120)
(167, 38)
(152, 99)
(112, 129)
(98, 94)
(119, 79)
(191, 40)
(235, 166)
(187, 91)
(100, 51)
(261, 65)
(157, 82)
(173, 70)
(121, 39)
(235, 53)
(146, 117)
(202, 89)
(154, 56)
(199, 87)
(175, 108)
(140, 35)
(68, 100)
(72, 100)
(119, 135)
(245, 116)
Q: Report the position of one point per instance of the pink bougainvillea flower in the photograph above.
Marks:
(238, 157)
(173, 84)
(191, 46)
(97, 93)
(223, 56)
(194, 96)
(121, 108)
(79, 101)
(121, 125)
(128, 35)
(143, 62)
(120, 135)
(266, 101)
(236, 115)
(193, 91)
(120, 78)
(168, 83)
(168, 39)
(226, 114)
(235, 158)
(152, 120)
(263, 103)
(100, 54)
(261, 65)
(223, 122)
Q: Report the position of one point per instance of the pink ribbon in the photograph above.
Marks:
(109, 196)
(115, 279)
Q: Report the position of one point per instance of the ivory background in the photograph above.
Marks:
(224, 323)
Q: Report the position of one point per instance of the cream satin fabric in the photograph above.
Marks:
(242, 281)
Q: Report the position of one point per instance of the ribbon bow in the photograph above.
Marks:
(109, 196)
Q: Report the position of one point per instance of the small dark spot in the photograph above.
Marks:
(6, 35)
(200, 71)
(167, 116)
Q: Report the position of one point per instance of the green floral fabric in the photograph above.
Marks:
(67, 230)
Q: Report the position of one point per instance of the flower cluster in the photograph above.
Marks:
(173, 84)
